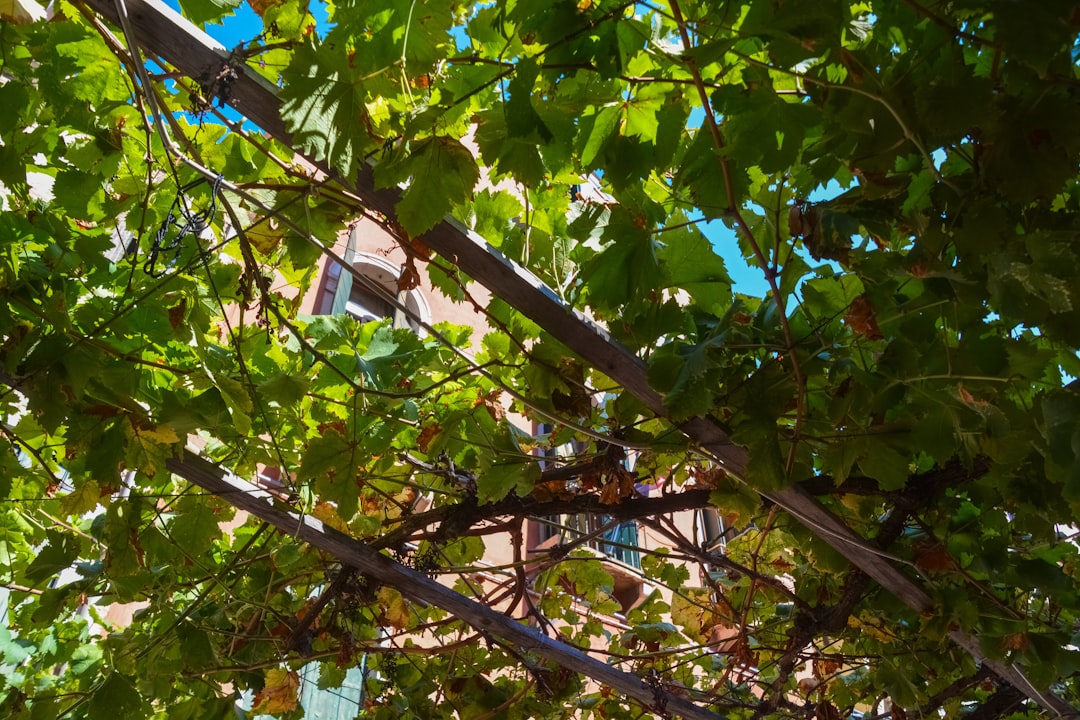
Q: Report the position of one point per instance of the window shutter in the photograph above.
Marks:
(345, 279)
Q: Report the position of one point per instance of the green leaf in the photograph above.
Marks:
(765, 468)
(198, 651)
(689, 263)
(885, 464)
(149, 447)
(195, 529)
(236, 397)
(284, 389)
(331, 463)
(117, 697)
(597, 130)
(99, 80)
(684, 374)
(85, 497)
(322, 102)
(85, 660)
(59, 553)
(501, 474)
(1035, 34)
(442, 173)
(14, 650)
(522, 120)
(628, 268)
(201, 12)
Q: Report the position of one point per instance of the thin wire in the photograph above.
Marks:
(194, 224)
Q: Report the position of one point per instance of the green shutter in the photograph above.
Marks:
(339, 703)
(345, 279)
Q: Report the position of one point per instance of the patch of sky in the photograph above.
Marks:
(750, 279)
(939, 157)
(243, 25)
(461, 37)
(237, 29)
(746, 279)
(697, 116)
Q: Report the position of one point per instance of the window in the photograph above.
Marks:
(617, 540)
(715, 533)
(366, 306)
(370, 299)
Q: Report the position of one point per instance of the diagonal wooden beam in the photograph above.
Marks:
(165, 33)
(413, 584)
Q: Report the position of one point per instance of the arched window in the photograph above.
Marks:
(370, 299)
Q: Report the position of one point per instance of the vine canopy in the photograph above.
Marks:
(899, 180)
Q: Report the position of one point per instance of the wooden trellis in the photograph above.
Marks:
(161, 31)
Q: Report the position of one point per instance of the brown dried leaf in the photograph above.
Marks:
(421, 250)
(176, 314)
(723, 638)
(861, 319)
(1016, 641)
(823, 668)
(261, 6)
(619, 485)
(492, 405)
(931, 555)
(551, 490)
(781, 565)
(609, 494)
(427, 435)
(826, 711)
(337, 426)
(409, 278)
(795, 221)
(708, 478)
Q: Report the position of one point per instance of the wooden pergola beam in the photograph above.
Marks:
(168, 35)
(355, 554)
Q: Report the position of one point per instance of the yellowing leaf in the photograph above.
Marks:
(872, 626)
(327, 512)
(82, 499)
(279, 694)
(149, 447)
(689, 610)
(162, 434)
(265, 236)
(396, 612)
